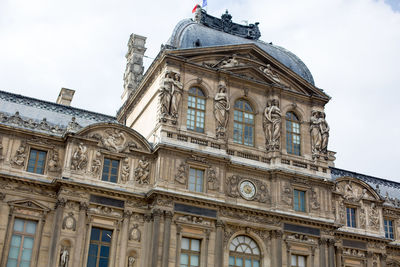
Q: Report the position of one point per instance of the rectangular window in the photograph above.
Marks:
(190, 252)
(196, 180)
(99, 247)
(37, 159)
(21, 246)
(388, 224)
(298, 261)
(351, 217)
(110, 170)
(299, 200)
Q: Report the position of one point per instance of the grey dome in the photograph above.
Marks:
(190, 34)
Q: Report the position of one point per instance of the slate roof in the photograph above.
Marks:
(190, 34)
(39, 115)
(388, 190)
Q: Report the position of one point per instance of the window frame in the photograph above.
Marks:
(38, 151)
(196, 169)
(297, 259)
(196, 109)
(390, 235)
(100, 244)
(300, 208)
(353, 219)
(109, 175)
(190, 252)
(246, 256)
(243, 123)
(290, 134)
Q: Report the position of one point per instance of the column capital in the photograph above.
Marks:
(331, 241)
(127, 214)
(147, 217)
(60, 203)
(157, 213)
(219, 223)
(383, 256)
(370, 254)
(322, 241)
(83, 206)
(276, 233)
(168, 214)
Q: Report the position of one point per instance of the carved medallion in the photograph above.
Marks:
(247, 189)
(69, 222)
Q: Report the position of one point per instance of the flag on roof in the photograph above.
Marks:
(204, 3)
(195, 8)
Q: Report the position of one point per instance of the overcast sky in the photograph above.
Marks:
(352, 48)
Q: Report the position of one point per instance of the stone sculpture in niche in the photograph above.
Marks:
(20, 156)
(221, 109)
(170, 94)
(272, 125)
(135, 233)
(374, 217)
(180, 177)
(362, 217)
(64, 257)
(319, 130)
(79, 158)
(287, 194)
(125, 170)
(54, 162)
(69, 222)
(212, 180)
(142, 172)
(131, 261)
(1, 148)
(96, 163)
(315, 205)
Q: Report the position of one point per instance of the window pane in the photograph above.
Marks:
(247, 263)
(91, 261)
(194, 260)
(185, 243)
(106, 236)
(26, 255)
(93, 248)
(31, 227)
(302, 261)
(256, 263)
(239, 262)
(103, 262)
(95, 234)
(104, 251)
(195, 245)
(12, 263)
(16, 241)
(13, 254)
(18, 225)
(28, 242)
(184, 259)
(231, 261)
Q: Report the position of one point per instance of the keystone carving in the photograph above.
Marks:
(319, 130)
(170, 94)
(79, 158)
(221, 109)
(142, 171)
(272, 125)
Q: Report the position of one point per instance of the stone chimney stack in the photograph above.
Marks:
(65, 96)
(134, 65)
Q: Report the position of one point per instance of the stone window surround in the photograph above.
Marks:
(199, 166)
(284, 130)
(36, 163)
(205, 97)
(394, 225)
(43, 147)
(39, 217)
(307, 194)
(232, 121)
(309, 254)
(112, 156)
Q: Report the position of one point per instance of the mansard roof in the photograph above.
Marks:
(208, 31)
(388, 190)
(43, 116)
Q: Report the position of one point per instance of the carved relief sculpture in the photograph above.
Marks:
(131, 261)
(69, 222)
(64, 257)
(272, 125)
(374, 217)
(125, 170)
(213, 183)
(79, 158)
(287, 194)
(258, 190)
(170, 94)
(181, 175)
(362, 217)
(221, 109)
(96, 164)
(20, 156)
(135, 233)
(319, 130)
(315, 205)
(230, 62)
(54, 162)
(73, 126)
(142, 171)
(271, 73)
(1, 148)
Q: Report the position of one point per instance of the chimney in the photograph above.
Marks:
(65, 96)
(134, 64)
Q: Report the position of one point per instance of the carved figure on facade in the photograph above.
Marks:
(131, 261)
(315, 205)
(181, 175)
(362, 217)
(232, 186)
(342, 212)
(54, 162)
(96, 164)
(221, 109)
(73, 126)
(250, 217)
(135, 234)
(230, 62)
(272, 74)
(69, 222)
(193, 220)
(114, 140)
(170, 94)
(374, 217)
(125, 170)
(272, 125)
(20, 156)
(64, 257)
(319, 130)
(142, 171)
(104, 210)
(79, 158)
(1, 149)
(212, 180)
(287, 194)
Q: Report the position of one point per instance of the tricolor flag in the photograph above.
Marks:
(197, 6)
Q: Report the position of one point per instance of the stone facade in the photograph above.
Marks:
(290, 206)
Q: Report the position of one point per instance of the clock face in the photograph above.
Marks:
(247, 189)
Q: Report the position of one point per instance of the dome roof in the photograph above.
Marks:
(211, 31)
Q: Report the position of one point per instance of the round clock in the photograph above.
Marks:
(247, 189)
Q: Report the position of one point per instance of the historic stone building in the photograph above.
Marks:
(217, 157)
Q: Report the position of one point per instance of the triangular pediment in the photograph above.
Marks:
(28, 204)
(251, 62)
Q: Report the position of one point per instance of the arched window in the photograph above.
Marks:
(243, 125)
(292, 134)
(243, 251)
(196, 110)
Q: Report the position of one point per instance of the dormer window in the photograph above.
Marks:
(196, 110)
(243, 126)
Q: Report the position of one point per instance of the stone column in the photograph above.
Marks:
(331, 252)
(287, 254)
(55, 236)
(278, 242)
(219, 243)
(146, 239)
(178, 244)
(370, 256)
(322, 254)
(167, 238)
(312, 256)
(80, 235)
(155, 237)
(383, 260)
(339, 252)
(206, 247)
(124, 238)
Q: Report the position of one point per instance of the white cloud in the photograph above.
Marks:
(350, 46)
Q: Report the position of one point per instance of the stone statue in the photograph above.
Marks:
(180, 177)
(125, 170)
(315, 205)
(54, 164)
(176, 95)
(114, 140)
(165, 93)
(64, 257)
(212, 180)
(221, 109)
(96, 164)
(170, 94)
(231, 62)
(319, 131)
(142, 171)
(362, 217)
(272, 125)
(1, 148)
(287, 196)
(73, 125)
(79, 158)
(20, 155)
(131, 261)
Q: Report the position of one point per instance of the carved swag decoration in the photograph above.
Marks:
(170, 94)
(232, 188)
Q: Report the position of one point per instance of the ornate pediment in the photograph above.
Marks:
(116, 138)
(354, 190)
(28, 204)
